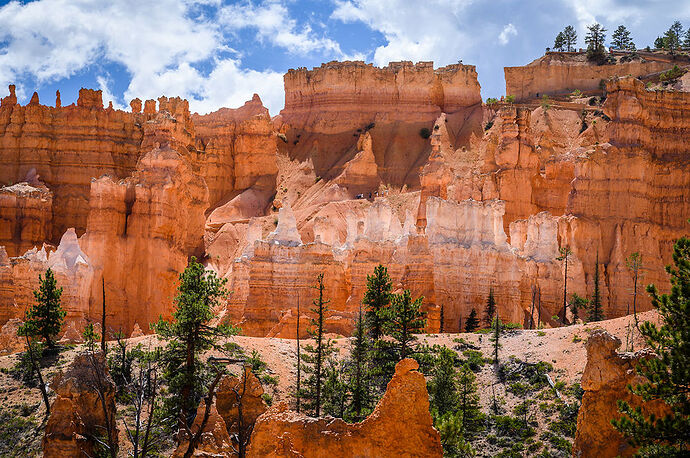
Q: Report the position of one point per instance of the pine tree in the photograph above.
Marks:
(659, 43)
(559, 42)
(441, 319)
(673, 36)
(335, 391)
(443, 390)
(668, 375)
(595, 308)
(565, 254)
(472, 322)
(359, 374)
(576, 304)
(315, 356)
(468, 402)
(569, 38)
(595, 39)
(634, 264)
(377, 299)
(490, 309)
(406, 319)
(495, 337)
(44, 319)
(189, 335)
(686, 39)
(620, 38)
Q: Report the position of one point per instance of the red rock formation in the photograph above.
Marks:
(25, 216)
(77, 415)
(327, 108)
(215, 440)
(144, 227)
(605, 380)
(399, 426)
(562, 73)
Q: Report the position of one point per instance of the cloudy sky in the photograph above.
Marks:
(218, 53)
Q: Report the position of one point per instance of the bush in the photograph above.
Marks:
(510, 98)
(512, 427)
(268, 379)
(669, 75)
(474, 359)
(268, 399)
(424, 133)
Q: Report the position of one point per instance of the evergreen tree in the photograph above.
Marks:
(668, 375)
(443, 388)
(189, 335)
(595, 40)
(335, 390)
(569, 38)
(490, 309)
(406, 319)
(441, 319)
(565, 254)
(468, 402)
(559, 42)
(472, 322)
(596, 312)
(659, 43)
(673, 37)
(377, 298)
(454, 444)
(577, 303)
(316, 355)
(686, 39)
(620, 39)
(634, 264)
(359, 373)
(44, 319)
(495, 337)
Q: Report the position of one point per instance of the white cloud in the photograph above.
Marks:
(412, 32)
(108, 96)
(508, 31)
(162, 45)
(274, 24)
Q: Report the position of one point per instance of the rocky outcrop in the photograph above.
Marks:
(214, 442)
(25, 216)
(562, 73)
(77, 415)
(605, 380)
(399, 426)
(329, 107)
(145, 226)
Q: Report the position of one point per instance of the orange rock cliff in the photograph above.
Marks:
(401, 165)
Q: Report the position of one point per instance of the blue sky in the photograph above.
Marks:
(218, 53)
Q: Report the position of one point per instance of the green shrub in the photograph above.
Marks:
(512, 427)
(510, 98)
(669, 75)
(268, 379)
(541, 333)
(268, 399)
(474, 359)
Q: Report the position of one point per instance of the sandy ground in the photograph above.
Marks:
(564, 348)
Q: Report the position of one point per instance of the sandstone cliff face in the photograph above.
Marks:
(327, 108)
(605, 381)
(144, 227)
(399, 426)
(25, 216)
(77, 415)
(562, 73)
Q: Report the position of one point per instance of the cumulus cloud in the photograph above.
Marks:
(508, 31)
(273, 23)
(166, 47)
(412, 32)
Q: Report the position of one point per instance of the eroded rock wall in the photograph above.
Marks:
(562, 73)
(399, 426)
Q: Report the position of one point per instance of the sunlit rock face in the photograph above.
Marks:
(400, 166)
(563, 73)
(399, 426)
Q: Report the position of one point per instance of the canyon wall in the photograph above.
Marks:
(562, 73)
(327, 108)
(341, 181)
